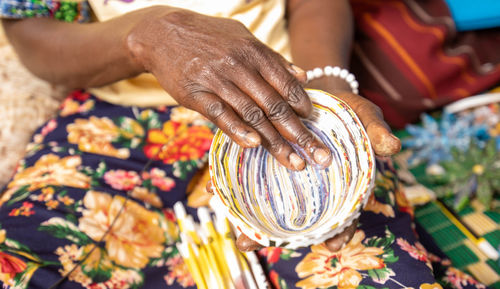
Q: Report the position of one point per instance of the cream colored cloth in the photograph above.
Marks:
(26, 102)
(264, 18)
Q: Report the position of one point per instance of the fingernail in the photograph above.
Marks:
(297, 69)
(246, 244)
(322, 157)
(252, 139)
(300, 74)
(297, 162)
(394, 137)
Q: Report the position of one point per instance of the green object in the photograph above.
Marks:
(493, 238)
(495, 286)
(476, 171)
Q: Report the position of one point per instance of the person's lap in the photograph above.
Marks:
(74, 182)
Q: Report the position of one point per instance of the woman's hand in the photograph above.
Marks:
(384, 144)
(218, 68)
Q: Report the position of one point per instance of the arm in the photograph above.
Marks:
(321, 33)
(212, 65)
(75, 55)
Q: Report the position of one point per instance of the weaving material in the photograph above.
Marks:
(279, 207)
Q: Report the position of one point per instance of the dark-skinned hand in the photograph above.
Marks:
(217, 67)
(384, 144)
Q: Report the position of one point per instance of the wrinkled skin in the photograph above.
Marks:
(250, 92)
(216, 67)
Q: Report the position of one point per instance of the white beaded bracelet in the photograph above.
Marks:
(336, 72)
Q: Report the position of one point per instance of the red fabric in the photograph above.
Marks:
(409, 59)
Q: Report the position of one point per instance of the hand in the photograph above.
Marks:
(218, 68)
(384, 144)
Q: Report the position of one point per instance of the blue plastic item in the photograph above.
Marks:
(473, 15)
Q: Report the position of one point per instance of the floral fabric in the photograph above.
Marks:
(65, 10)
(67, 205)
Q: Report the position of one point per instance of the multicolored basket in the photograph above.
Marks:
(278, 207)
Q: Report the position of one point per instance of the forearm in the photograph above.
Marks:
(76, 55)
(321, 33)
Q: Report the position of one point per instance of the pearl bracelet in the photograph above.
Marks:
(336, 72)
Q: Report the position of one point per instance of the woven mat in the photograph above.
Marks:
(26, 102)
(455, 229)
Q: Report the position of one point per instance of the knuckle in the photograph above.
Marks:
(276, 147)
(254, 46)
(279, 111)
(192, 89)
(253, 115)
(293, 90)
(233, 59)
(233, 129)
(215, 109)
(377, 109)
(368, 107)
(304, 139)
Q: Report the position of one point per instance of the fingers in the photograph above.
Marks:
(287, 80)
(252, 114)
(245, 244)
(384, 143)
(280, 124)
(337, 242)
(223, 116)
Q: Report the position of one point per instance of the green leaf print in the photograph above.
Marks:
(64, 229)
(21, 194)
(365, 287)
(381, 275)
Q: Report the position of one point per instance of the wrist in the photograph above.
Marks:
(335, 76)
(142, 37)
(330, 84)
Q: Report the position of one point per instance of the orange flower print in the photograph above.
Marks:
(70, 255)
(24, 210)
(178, 271)
(52, 204)
(322, 268)
(70, 106)
(147, 197)
(46, 195)
(136, 236)
(403, 203)
(49, 170)
(431, 286)
(460, 279)
(181, 114)
(378, 207)
(95, 135)
(178, 142)
(272, 254)
(417, 252)
(122, 180)
(67, 201)
(10, 266)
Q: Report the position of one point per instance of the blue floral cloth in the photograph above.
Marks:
(67, 205)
